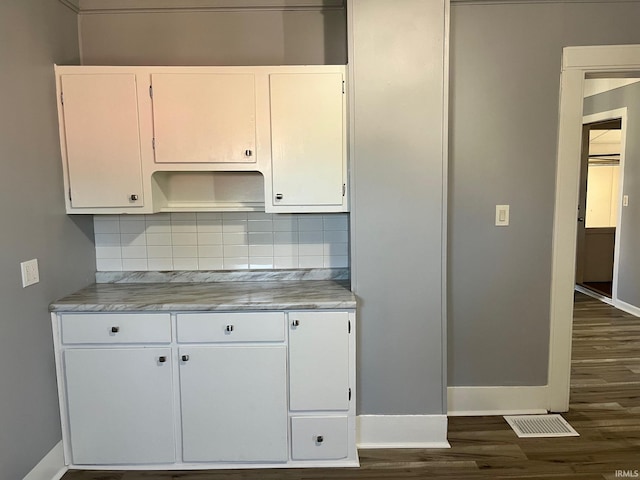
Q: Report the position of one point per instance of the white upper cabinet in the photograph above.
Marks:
(259, 138)
(307, 138)
(101, 140)
(204, 118)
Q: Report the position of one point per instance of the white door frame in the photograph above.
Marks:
(577, 62)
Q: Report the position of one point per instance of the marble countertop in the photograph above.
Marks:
(209, 296)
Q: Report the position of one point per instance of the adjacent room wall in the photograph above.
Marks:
(33, 35)
(629, 263)
(505, 76)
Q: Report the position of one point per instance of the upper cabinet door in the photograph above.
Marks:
(204, 118)
(102, 141)
(307, 138)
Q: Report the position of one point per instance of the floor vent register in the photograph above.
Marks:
(540, 426)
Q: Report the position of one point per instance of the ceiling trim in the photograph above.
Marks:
(139, 6)
(71, 4)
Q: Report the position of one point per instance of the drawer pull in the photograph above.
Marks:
(162, 359)
(115, 329)
(295, 323)
(185, 358)
(229, 328)
(319, 439)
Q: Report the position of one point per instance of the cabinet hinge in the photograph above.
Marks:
(69, 193)
(343, 87)
(349, 326)
(344, 189)
(62, 98)
(151, 91)
(349, 394)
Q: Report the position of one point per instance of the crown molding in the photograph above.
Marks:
(71, 4)
(138, 6)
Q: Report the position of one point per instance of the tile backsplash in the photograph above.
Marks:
(221, 241)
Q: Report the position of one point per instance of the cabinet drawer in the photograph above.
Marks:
(319, 438)
(231, 327)
(116, 328)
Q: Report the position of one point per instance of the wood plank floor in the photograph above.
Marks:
(605, 410)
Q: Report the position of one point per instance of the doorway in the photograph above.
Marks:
(577, 63)
(599, 205)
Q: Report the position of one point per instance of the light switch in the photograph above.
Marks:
(502, 215)
(625, 200)
(30, 273)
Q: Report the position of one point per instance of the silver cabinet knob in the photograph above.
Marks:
(279, 196)
(229, 328)
(319, 439)
(162, 359)
(248, 153)
(115, 329)
(133, 197)
(295, 323)
(185, 358)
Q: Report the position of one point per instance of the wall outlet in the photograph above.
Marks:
(30, 273)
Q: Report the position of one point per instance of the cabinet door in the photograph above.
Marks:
(102, 140)
(120, 405)
(200, 118)
(233, 402)
(307, 138)
(319, 361)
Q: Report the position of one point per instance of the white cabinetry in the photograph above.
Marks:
(204, 117)
(158, 139)
(100, 140)
(234, 404)
(207, 390)
(234, 391)
(120, 400)
(307, 138)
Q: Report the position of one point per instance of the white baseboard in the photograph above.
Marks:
(402, 431)
(627, 307)
(468, 401)
(51, 467)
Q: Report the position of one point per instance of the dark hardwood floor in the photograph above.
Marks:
(605, 410)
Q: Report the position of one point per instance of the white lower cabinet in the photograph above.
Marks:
(319, 438)
(234, 403)
(120, 405)
(206, 389)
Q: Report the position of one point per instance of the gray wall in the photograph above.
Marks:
(629, 263)
(505, 65)
(397, 63)
(242, 37)
(33, 35)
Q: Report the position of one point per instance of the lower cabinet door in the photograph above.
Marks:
(120, 405)
(233, 403)
(319, 438)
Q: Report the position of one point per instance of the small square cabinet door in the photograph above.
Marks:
(120, 404)
(204, 118)
(318, 361)
(307, 138)
(102, 140)
(319, 438)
